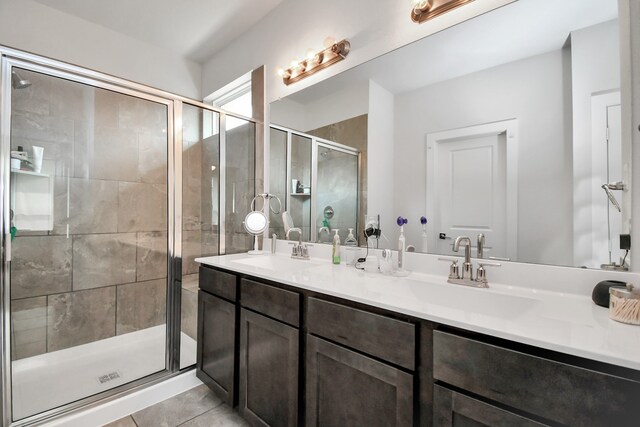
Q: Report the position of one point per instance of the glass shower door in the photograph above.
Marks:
(200, 213)
(337, 191)
(88, 277)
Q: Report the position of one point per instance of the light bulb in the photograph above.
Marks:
(310, 55)
(421, 5)
(329, 41)
(280, 72)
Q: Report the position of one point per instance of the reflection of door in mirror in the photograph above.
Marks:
(468, 189)
(606, 168)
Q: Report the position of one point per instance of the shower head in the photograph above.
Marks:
(18, 82)
(611, 197)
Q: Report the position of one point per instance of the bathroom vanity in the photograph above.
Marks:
(310, 343)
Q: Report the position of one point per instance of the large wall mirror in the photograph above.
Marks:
(507, 125)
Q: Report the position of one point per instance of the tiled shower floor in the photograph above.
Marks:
(50, 380)
(197, 407)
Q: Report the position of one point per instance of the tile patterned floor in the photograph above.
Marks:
(197, 407)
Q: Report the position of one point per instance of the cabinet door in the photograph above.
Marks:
(455, 409)
(268, 371)
(345, 388)
(216, 345)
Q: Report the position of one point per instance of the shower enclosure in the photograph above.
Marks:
(110, 190)
(317, 182)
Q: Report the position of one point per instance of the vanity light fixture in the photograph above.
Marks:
(423, 10)
(314, 62)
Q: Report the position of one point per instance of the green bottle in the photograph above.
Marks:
(336, 247)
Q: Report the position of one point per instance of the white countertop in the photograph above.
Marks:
(565, 322)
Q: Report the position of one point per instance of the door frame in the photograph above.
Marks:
(510, 129)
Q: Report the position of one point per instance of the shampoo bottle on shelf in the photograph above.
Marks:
(336, 248)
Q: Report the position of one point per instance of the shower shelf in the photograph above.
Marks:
(32, 173)
(32, 200)
(301, 194)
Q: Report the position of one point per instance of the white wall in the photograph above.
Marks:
(333, 108)
(530, 90)
(298, 25)
(32, 27)
(595, 61)
(380, 160)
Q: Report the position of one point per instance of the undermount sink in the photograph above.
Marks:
(475, 300)
(276, 262)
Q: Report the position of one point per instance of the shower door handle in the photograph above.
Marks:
(7, 247)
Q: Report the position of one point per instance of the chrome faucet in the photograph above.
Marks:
(299, 251)
(466, 276)
(467, 267)
(480, 246)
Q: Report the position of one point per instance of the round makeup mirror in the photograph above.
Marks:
(255, 223)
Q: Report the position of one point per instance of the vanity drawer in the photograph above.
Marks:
(556, 391)
(274, 302)
(218, 283)
(388, 339)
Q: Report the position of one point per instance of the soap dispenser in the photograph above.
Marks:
(351, 240)
(336, 247)
(401, 242)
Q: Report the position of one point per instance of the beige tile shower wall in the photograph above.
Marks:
(102, 270)
(351, 132)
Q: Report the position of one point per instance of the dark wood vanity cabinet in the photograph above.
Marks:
(292, 357)
(541, 390)
(216, 345)
(269, 349)
(454, 409)
(345, 387)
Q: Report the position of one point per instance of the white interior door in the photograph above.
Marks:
(468, 189)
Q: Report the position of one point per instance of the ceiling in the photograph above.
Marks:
(194, 29)
(519, 30)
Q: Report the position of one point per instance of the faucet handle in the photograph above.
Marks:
(454, 269)
(489, 264)
(481, 273)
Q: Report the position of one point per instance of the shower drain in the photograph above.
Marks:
(109, 377)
